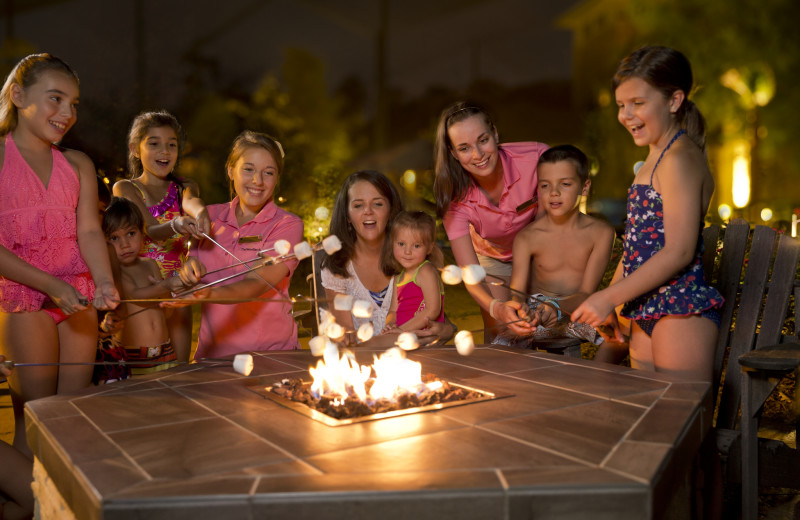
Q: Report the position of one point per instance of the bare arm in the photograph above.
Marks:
(137, 290)
(194, 206)
(91, 241)
(520, 266)
(391, 317)
(152, 228)
(603, 236)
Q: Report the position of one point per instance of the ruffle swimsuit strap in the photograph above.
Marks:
(674, 138)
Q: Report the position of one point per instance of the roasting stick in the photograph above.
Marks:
(12, 364)
(271, 287)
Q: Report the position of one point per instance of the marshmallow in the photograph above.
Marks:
(343, 302)
(465, 344)
(317, 344)
(362, 309)
(334, 331)
(302, 250)
(322, 213)
(331, 244)
(451, 274)
(365, 331)
(407, 341)
(243, 364)
(473, 274)
(282, 247)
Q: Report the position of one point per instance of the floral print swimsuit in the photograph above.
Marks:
(685, 294)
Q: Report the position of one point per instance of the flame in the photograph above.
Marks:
(340, 376)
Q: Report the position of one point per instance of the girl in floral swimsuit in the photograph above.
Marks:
(171, 206)
(660, 277)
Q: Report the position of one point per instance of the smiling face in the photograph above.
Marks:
(127, 242)
(408, 248)
(254, 176)
(49, 107)
(646, 112)
(474, 145)
(158, 151)
(560, 188)
(368, 211)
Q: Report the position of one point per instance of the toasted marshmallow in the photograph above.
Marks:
(335, 331)
(407, 341)
(343, 302)
(451, 274)
(365, 332)
(302, 250)
(317, 344)
(465, 343)
(282, 247)
(331, 244)
(362, 309)
(243, 364)
(473, 274)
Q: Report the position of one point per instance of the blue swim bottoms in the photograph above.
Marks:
(647, 325)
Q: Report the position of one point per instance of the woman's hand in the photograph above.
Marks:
(106, 296)
(186, 225)
(191, 271)
(175, 284)
(514, 315)
(189, 299)
(203, 222)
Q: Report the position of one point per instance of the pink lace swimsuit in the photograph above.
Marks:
(39, 225)
(171, 252)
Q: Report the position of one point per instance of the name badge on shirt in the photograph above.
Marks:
(250, 239)
(526, 205)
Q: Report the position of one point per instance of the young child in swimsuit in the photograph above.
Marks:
(50, 237)
(559, 259)
(418, 296)
(144, 336)
(171, 205)
(660, 276)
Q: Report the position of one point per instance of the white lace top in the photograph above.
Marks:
(355, 288)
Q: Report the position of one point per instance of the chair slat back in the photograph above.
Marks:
(781, 284)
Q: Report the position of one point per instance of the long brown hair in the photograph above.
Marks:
(337, 263)
(668, 71)
(139, 128)
(452, 181)
(26, 73)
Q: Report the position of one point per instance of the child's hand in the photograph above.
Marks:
(594, 310)
(203, 222)
(106, 296)
(175, 284)
(186, 225)
(67, 298)
(392, 329)
(544, 315)
(111, 323)
(192, 271)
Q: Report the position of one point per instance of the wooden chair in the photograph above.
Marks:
(756, 305)
(316, 290)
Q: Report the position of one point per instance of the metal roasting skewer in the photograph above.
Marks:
(271, 287)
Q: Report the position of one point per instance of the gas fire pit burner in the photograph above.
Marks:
(290, 393)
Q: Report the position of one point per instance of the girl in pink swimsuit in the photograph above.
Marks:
(418, 297)
(53, 259)
(171, 206)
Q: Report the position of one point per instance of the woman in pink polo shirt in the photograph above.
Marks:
(250, 223)
(485, 193)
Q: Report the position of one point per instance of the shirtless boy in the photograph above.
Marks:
(562, 255)
(144, 336)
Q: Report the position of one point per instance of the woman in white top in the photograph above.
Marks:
(364, 207)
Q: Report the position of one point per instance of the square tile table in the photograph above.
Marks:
(577, 439)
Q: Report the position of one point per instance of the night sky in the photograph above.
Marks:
(443, 42)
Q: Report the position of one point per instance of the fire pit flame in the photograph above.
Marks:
(339, 377)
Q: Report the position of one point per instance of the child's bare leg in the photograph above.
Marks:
(16, 475)
(78, 342)
(611, 352)
(641, 349)
(684, 345)
(29, 337)
(179, 324)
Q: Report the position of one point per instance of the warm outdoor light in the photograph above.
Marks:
(741, 177)
(724, 211)
(766, 214)
(409, 178)
(281, 200)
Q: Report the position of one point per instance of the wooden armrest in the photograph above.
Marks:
(783, 357)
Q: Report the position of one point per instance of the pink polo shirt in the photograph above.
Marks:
(230, 329)
(491, 227)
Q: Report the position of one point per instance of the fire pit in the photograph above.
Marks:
(296, 395)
